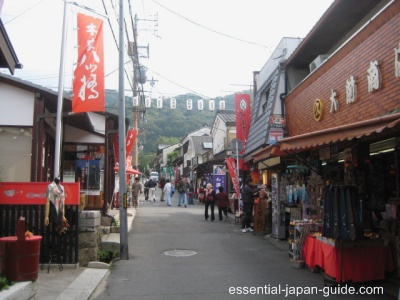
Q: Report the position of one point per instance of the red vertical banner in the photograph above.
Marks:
(88, 86)
(230, 162)
(243, 119)
(130, 141)
(116, 147)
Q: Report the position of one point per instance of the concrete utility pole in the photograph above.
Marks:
(136, 109)
(124, 252)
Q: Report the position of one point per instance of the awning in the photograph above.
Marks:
(269, 151)
(340, 133)
(128, 171)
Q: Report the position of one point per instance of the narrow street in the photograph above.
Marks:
(176, 254)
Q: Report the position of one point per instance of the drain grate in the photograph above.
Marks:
(180, 252)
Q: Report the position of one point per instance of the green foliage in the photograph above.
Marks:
(171, 157)
(106, 256)
(115, 222)
(4, 284)
(146, 160)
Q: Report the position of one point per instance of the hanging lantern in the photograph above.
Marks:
(136, 101)
(200, 105)
(172, 103)
(222, 105)
(189, 104)
(159, 102)
(147, 102)
(211, 105)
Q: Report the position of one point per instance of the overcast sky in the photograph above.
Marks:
(207, 47)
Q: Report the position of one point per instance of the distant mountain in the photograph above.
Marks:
(166, 123)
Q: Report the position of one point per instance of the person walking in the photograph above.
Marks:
(222, 203)
(209, 202)
(182, 188)
(146, 188)
(191, 192)
(136, 190)
(152, 189)
(248, 202)
(167, 191)
(161, 185)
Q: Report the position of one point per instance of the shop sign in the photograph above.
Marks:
(218, 180)
(218, 170)
(277, 121)
(275, 134)
(34, 193)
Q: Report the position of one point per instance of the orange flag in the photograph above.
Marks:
(88, 86)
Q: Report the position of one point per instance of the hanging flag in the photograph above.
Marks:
(243, 117)
(116, 147)
(135, 101)
(231, 164)
(159, 102)
(88, 86)
(200, 104)
(221, 105)
(211, 105)
(189, 104)
(130, 141)
(173, 103)
(147, 102)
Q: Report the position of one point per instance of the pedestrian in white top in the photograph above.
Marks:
(167, 191)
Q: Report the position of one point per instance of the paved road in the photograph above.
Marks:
(224, 258)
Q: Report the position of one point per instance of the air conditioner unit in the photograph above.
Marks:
(318, 61)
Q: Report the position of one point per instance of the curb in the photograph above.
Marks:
(84, 285)
(20, 290)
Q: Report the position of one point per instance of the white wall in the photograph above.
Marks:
(75, 135)
(16, 106)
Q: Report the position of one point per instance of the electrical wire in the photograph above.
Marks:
(209, 29)
(179, 84)
(115, 41)
(17, 16)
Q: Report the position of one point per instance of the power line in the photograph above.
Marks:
(23, 12)
(178, 84)
(207, 28)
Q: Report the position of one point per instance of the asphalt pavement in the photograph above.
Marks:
(174, 253)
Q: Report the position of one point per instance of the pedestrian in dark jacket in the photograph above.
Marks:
(248, 201)
(152, 189)
(161, 185)
(222, 203)
(183, 188)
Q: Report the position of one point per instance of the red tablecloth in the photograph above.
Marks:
(357, 263)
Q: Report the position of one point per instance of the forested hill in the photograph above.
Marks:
(163, 125)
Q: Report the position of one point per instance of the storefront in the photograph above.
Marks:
(335, 176)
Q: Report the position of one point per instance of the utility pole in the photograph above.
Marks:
(124, 252)
(138, 77)
(136, 109)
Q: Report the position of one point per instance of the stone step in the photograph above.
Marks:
(110, 241)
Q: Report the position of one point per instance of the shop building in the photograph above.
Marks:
(27, 141)
(337, 164)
